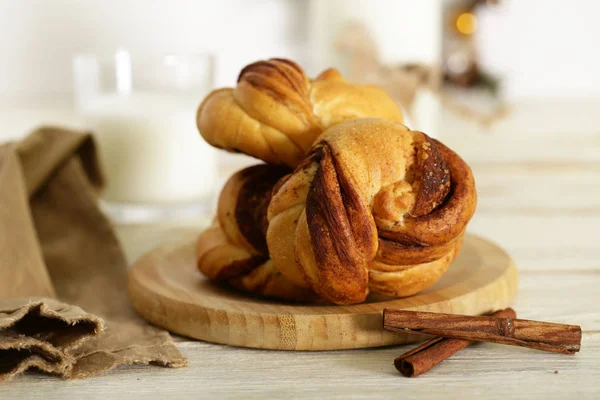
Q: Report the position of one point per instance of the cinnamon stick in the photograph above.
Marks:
(421, 359)
(558, 338)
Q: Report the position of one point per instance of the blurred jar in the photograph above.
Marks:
(142, 112)
(364, 40)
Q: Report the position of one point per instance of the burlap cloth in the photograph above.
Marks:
(63, 302)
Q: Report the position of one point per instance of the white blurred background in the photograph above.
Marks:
(543, 48)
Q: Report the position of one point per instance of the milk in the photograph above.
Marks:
(150, 148)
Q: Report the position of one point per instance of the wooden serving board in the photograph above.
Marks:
(166, 289)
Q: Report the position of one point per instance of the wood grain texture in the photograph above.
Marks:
(483, 371)
(166, 289)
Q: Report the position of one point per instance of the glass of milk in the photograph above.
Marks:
(142, 112)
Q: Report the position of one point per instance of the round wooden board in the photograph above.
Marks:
(166, 289)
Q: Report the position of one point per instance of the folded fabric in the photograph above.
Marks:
(58, 257)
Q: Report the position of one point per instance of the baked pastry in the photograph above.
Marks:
(276, 112)
(233, 249)
(373, 207)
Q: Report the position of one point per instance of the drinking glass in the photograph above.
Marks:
(142, 113)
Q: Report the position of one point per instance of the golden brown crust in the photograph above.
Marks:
(450, 219)
(341, 233)
(222, 261)
(396, 254)
(275, 112)
(233, 249)
(375, 206)
(409, 281)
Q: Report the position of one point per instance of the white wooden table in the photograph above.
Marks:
(539, 198)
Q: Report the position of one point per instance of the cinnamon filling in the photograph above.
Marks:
(253, 202)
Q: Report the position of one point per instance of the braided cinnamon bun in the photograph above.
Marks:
(233, 249)
(276, 112)
(373, 207)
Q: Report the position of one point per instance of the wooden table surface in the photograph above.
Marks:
(539, 197)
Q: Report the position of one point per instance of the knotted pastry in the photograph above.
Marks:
(234, 249)
(276, 112)
(374, 206)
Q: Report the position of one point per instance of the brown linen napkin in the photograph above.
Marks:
(58, 252)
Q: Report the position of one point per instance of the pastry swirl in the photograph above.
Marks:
(275, 112)
(373, 207)
(234, 249)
